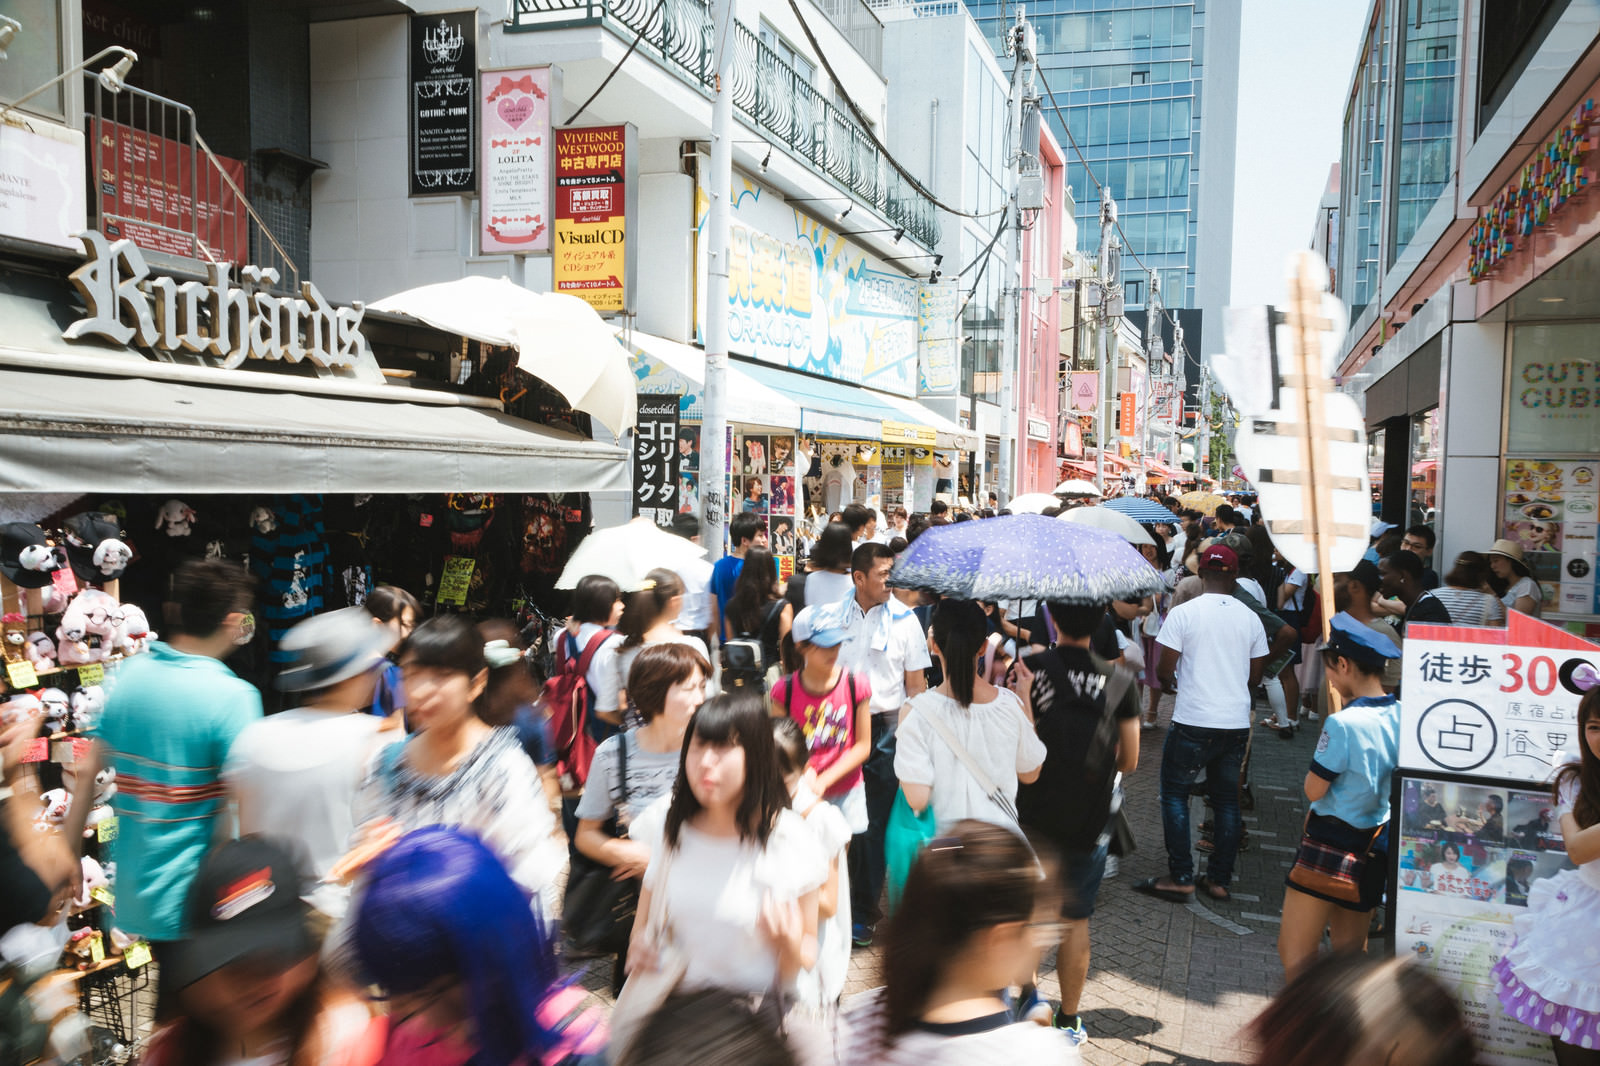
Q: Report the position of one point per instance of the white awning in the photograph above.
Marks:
(83, 433)
(950, 434)
(664, 366)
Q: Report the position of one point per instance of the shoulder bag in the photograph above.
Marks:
(998, 798)
(597, 911)
(646, 990)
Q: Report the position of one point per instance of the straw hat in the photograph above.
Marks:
(1511, 550)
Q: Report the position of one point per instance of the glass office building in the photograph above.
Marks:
(1148, 90)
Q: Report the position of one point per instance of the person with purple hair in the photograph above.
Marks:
(468, 968)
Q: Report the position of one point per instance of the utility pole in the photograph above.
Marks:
(1011, 325)
(1202, 459)
(1152, 359)
(714, 424)
(1110, 281)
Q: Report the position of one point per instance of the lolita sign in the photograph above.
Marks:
(515, 175)
(214, 317)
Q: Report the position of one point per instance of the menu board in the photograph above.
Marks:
(1550, 508)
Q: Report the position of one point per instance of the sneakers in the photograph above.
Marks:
(1072, 1026)
(861, 935)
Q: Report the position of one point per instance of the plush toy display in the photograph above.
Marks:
(57, 709)
(87, 705)
(41, 651)
(263, 520)
(93, 877)
(176, 518)
(22, 705)
(53, 806)
(134, 636)
(88, 630)
(16, 636)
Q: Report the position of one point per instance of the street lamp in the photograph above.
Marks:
(9, 28)
(113, 79)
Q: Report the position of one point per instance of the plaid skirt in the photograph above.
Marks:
(1333, 846)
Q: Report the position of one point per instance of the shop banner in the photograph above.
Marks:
(1487, 716)
(1125, 421)
(596, 183)
(514, 183)
(939, 339)
(802, 297)
(657, 459)
(1085, 387)
(147, 194)
(42, 183)
(444, 67)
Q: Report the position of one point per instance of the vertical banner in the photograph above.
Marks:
(596, 192)
(656, 459)
(939, 339)
(514, 181)
(1130, 404)
(444, 64)
(1085, 387)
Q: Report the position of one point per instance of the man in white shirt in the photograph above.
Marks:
(883, 642)
(1212, 649)
(698, 618)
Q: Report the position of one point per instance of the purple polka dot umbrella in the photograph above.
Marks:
(1025, 557)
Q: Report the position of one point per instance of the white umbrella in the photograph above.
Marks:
(1076, 487)
(626, 553)
(560, 339)
(1115, 521)
(1032, 503)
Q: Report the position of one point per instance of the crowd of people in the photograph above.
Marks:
(720, 783)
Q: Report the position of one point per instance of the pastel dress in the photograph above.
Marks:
(1549, 980)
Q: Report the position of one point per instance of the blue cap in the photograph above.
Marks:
(1358, 642)
(813, 627)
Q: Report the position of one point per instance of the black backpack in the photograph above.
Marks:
(748, 655)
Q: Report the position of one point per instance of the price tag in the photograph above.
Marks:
(65, 581)
(137, 955)
(102, 894)
(21, 675)
(456, 580)
(97, 949)
(106, 831)
(91, 674)
(62, 752)
(37, 751)
(80, 748)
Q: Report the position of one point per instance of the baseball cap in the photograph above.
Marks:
(1380, 527)
(1219, 557)
(16, 538)
(813, 627)
(244, 903)
(1366, 572)
(1356, 641)
(95, 546)
(333, 647)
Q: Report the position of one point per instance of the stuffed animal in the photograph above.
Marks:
(15, 628)
(87, 704)
(176, 518)
(41, 651)
(81, 947)
(57, 709)
(111, 556)
(93, 877)
(40, 558)
(262, 520)
(20, 706)
(88, 630)
(54, 600)
(53, 806)
(105, 785)
(134, 636)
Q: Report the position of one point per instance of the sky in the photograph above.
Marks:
(1297, 58)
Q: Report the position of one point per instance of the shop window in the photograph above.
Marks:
(1426, 454)
(1554, 400)
(35, 56)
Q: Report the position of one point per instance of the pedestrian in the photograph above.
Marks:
(862, 522)
(580, 680)
(293, 775)
(397, 610)
(759, 617)
(820, 986)
(745, 531)
(467, 969)
(1212, 651)
(1087, 716)
(1419, 541)
(826, 579)
(1353, 594)
(965, 746)
(1511, 579)
(976, 916)
(457, 770)
(1544, 980)
(833, 708)
(647, 619)
(736, 870)
(1465, 592)
(698, 617)
(1348, 786)
(247, 984)
(40, 873)
(512, 698)
(1401, 574)
(636, 767)
(167, 729)
(1352, 1010)
(711, 1027)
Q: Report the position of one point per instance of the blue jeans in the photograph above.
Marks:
(1220, 753)
(868, 867)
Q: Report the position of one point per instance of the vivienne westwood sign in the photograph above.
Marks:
(126, 305)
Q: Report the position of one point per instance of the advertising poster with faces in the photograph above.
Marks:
(765, 484)
(1551, 507)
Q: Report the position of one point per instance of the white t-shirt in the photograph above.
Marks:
(697, 597)
(838, 483)
(651, 775)
(883, 644)
(613, 661)
(602, 668)
(295, 775)
(1216, 636)
(1297, 599)
(992, 1041)
(998, 737)
(824, 984)
(1253, 587)
(828, 586)
(1524, 586)
(715, 888)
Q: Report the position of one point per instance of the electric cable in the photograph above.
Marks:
(614, 68)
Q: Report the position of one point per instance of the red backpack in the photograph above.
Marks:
(569, 703)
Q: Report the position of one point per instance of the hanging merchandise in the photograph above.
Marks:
(289, 562)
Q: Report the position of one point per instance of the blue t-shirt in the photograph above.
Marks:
(1356, 755)
(723, 577)
(169, 721)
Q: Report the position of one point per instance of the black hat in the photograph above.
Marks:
(34, 572)
(95, 546)
(243, 903)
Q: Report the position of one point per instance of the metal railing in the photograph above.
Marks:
(901, 10)
(767, 92)
(864, 31)
(157, 182)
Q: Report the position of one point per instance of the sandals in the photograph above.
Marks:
(1214, 891)
(1149, 887)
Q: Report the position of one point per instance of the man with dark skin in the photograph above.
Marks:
(1401, 574)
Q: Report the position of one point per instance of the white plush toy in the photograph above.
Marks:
(40, 558)
(41, 651)
(87, 704)
(53, 806)
(111, 556)
(134, 636)
(94, 876)
(176, 518)
(263, 520)
(22, 705)
(88, 630)
(57, 709)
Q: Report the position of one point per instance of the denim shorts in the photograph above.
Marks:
(1081, 874)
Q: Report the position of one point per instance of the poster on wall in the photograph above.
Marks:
(939, 339)
(596, 189)
(764, 481)
(801, 296)
(1487, 716)
(514, 182)
(444, 69)
(657, 459)
(1551, 507)
(146, 179)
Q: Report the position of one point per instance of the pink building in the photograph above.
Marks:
(1039, 351)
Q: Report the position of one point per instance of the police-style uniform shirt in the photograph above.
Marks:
(1356, 755)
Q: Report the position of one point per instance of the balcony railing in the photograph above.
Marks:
(864, 31)
(157, 182)
(767, 92)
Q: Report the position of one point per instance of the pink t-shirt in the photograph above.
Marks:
(828, 721)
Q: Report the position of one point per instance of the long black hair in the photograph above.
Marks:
(644, 607)
(755, 588)
(1586, 771)
(960, 629)
(737, 717)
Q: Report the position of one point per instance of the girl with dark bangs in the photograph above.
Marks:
(647, 619)
(737, 869)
